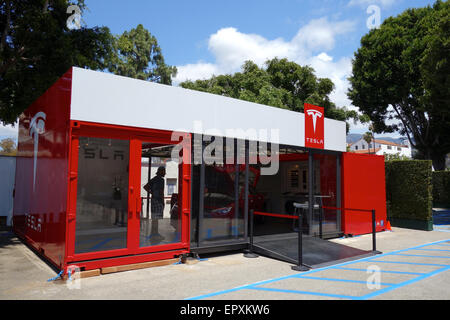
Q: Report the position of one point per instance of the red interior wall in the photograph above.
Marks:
(363, 187)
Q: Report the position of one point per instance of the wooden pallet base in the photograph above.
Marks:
(128, 267)
(137, 266)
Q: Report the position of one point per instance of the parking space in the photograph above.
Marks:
(415, 265)
(356, 280)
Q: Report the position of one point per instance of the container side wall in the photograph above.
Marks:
(41, 173)
(363, 187)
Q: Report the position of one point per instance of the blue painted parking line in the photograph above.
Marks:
(383, 271)
(420, 255)
(412, 263)
(442, 230)
(402, 284)
(306, 292)
(432, 250)
(208, 295)
(342, 280)
(238, 288)
(344, 266)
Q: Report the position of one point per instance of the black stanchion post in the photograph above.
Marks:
(374, 233)
(300, 266)
(249, 252)
(374, 241)
(320, 221)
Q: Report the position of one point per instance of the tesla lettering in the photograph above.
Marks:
(37, 127)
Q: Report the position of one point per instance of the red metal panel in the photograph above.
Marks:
(41, 174)
(363, 187)
(186, 191)
(71, 198)
(314, 126)
(134, 195)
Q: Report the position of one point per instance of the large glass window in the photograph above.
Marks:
(326, 195)
(218, 193)
(160, 221)
(102, 195)
(223, 211)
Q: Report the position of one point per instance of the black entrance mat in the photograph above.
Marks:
(317, 253)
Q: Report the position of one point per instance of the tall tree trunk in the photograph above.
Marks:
(438, 162)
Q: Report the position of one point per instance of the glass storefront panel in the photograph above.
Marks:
(102, 195)
(215, 198)
(327, 194)
(218, 194)
(221, 217)
(160, 221)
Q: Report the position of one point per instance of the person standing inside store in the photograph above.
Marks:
(156, 188)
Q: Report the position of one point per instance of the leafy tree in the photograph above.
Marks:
(37, 47)
(401, 71)
(396, 157)
(8, 147)
(282, 84)
(138, 55)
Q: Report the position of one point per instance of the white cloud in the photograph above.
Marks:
(231, 48)
(196, 71)
(320, 34)
(324, 57)
(366, 3)
(336, 72)
(9, 131)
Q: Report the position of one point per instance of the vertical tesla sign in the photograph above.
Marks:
(314, 126)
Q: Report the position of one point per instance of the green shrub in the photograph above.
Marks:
(441, 189)
(409, 190)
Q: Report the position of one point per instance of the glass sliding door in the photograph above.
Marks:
(218, 193)
(326, 195)
(161, 189)
(102, 195)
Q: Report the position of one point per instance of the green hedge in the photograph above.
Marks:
(409, 193)
(441, 189)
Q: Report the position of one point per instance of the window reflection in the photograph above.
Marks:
(102, 195)
(160, 221)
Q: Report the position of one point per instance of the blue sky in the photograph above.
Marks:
(205, 37)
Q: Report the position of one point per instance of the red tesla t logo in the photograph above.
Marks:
(314, 126)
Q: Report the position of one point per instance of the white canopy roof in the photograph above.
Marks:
(110, 99)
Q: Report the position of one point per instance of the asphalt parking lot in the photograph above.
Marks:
(414, 265)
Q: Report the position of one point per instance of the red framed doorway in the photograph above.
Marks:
(105, 187)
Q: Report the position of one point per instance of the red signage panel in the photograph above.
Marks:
(314, 126)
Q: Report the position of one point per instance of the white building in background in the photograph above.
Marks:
(381, 147)
(7, 179)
